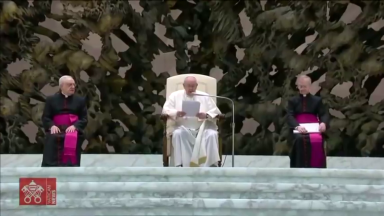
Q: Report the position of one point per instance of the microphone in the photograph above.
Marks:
(233, 122)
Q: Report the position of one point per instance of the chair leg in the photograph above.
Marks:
(166, 161)
(219, 164)
(165, 155)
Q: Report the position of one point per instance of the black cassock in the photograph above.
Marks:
(307, 149)
(72, 109)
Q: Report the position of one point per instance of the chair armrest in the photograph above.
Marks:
(164, 117)
(220, 117)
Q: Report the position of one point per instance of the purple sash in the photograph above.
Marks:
(316, 141)
(70, 139)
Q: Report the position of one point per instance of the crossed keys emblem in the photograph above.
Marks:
(32, 190)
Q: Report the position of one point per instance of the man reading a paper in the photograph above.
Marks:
(303, 112)
(193, 126)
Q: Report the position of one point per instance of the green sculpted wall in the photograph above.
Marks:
(259, 65)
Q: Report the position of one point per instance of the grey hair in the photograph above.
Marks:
(304, 77)
(63, 79)
(188, 77)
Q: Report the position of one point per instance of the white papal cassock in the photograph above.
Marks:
(194, 141)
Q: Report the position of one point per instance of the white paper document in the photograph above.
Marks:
(310, 127)
(191, 108)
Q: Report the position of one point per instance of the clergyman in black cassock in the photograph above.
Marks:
(308, 149)
(64, 120)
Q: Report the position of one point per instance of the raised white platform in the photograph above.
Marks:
(115, 160)
(137, 191)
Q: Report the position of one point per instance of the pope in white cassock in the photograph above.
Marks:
(194, 139)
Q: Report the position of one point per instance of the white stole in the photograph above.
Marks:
(199, 154)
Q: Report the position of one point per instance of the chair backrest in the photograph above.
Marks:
(207, 84)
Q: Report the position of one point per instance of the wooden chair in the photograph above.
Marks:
(206, 84)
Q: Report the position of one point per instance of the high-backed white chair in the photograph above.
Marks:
(206, 84)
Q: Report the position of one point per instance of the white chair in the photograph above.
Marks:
(206, 84)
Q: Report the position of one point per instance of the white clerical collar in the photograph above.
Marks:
(66, 96)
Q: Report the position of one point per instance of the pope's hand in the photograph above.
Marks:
(201, 115)
(180, 114)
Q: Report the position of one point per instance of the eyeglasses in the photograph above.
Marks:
(70, 84)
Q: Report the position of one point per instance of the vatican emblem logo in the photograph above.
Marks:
(32, 190)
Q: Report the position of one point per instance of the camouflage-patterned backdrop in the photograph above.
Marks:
(121, 54)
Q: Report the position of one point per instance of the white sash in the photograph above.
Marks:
(199, 154)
